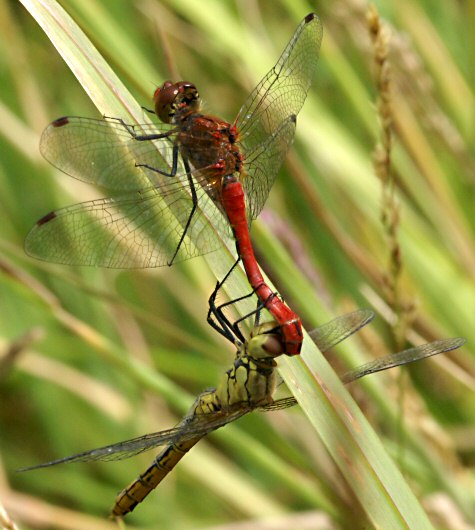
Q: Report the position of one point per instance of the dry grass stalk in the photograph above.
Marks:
(390, 211)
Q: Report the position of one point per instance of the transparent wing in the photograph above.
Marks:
(383, 363)
(280, 94)
(280, 404)
(140, 228)
(403, 357)
(104, 152)
(262, 166)
(135, 230)
(187, 430)
(332, 333)
(325, 337)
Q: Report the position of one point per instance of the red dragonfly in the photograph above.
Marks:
(178, 179)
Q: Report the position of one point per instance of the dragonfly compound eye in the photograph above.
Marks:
(265, 346)
(171, 98)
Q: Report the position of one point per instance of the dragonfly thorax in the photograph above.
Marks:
(250, 382)
(209, 144)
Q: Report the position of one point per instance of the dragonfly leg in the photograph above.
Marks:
(220, 322)
(194, 197)
(224, 320)
(194, 200)
(216, 317)
(140, 137)
(171, 173)
(257, 312)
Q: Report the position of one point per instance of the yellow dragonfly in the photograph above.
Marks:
(249, 385)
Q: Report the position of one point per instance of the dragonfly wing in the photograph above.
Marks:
(325, 337)
(280, 404)
(332, 333)
(117, 451)
(384, 363)
(282, 92)
(188, 429)
(263, 164)
(104, 152)
(403, 357)
(135, 230)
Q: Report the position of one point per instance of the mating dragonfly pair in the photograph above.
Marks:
(181, 182)
(249, 385)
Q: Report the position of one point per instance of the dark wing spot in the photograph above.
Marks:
(60, 122)
(46, 218)
(310, 17)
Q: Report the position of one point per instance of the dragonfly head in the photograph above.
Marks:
(175, 100)
(265, 341)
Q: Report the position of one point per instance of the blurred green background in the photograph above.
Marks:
(69, 336)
